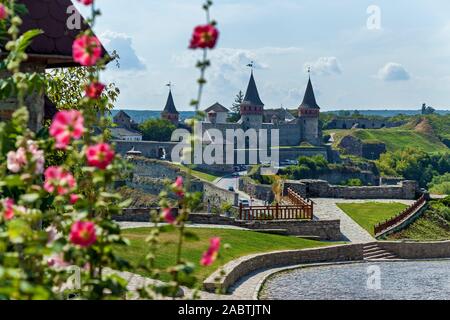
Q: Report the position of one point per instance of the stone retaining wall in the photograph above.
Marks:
(243, 266)
(418, 250)
(257, 191)
(322, 189)
(324, 229)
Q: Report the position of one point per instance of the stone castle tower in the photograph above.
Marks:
(252, 108)
(308, 113)
(170, 111)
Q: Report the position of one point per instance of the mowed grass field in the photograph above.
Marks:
(394, 138)
(368, 214)
(241, 243)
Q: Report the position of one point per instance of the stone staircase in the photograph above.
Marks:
(372, 251)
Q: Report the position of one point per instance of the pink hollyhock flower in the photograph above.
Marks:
(168, 216)
(8, 208)
(86, 2)
(211, 254)
(204, 37)
(100, 155)
(66, 125)
(3, 12)
(86, 50)
(16, 160)
(74, 198)
(82, 233)
(57, 261)
(58, 180)
(177, 187)
(37, 156)
(94, 90)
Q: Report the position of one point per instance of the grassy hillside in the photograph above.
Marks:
(394, 138)
(433, 225)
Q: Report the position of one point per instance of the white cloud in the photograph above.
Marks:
(123, 45)
(325, 66)
(393, 72)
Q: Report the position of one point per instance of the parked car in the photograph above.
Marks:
(230, 188)
(244, 202)
(235, 174)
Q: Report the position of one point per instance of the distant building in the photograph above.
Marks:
(217, 113)
(170, 111)
(125, 134)
(125, 129)
(122, 119)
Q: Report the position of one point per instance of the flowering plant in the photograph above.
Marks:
(57, 212)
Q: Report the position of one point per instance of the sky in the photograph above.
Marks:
(381, 54)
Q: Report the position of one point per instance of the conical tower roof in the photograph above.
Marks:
(170, 105)
(252, 95)
(309, 100)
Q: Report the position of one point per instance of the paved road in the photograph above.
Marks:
(326, 209)
(228, 181)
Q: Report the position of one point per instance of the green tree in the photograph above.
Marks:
(65, 86)
(236, 108)
(157, 129)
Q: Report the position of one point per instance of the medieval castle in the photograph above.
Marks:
(293, 131)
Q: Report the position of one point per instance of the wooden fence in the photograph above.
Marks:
(301, 209)
(382, 227)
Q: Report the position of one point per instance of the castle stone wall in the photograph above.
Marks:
(322, 189)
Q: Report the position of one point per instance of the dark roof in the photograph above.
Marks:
(252, 95)
(309, 101)
(217, 107)
(55, 45)
(170, 105)
(122, 113)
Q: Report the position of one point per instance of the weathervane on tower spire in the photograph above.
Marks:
(251, 65)
(169, 85)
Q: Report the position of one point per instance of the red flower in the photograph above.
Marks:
(204, 37)
(94, 90)
(210, 256)
(177, 187)
(74, 198)
(8, 208)
(86, 50)
(86, 2)
(58, 180)
(83, 234)
(168, 216)
(66, 125)
(3, 12)
(100, 155)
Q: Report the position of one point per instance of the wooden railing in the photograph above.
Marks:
(297, 199)
(301, 209)
(275, 212)
(382, 227)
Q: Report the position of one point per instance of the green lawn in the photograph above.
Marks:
(394, 138)
(241, 243)
(368, 214)
(200, 175)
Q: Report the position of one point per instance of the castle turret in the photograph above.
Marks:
(308, 113)
(170, 111)
(252, 108)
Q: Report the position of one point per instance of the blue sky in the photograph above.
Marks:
(400, 65)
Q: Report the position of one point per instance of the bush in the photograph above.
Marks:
(157, 130)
